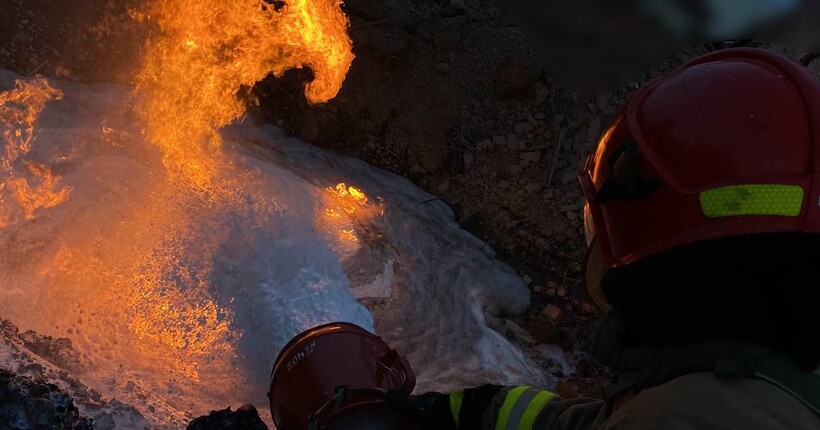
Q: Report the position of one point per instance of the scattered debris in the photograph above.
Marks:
(553, 312)
(246, 417)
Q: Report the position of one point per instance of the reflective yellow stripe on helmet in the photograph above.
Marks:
(456, 398)
(521, 407)
(755, 199)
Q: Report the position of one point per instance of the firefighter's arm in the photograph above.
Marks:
(493, 407)
(527, 408)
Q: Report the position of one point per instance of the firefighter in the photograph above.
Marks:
(703, 227)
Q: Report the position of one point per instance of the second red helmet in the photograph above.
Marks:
(726, 145)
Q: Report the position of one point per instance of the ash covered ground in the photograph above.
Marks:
(447, 94)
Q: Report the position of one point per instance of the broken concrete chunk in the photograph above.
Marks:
(553, 312)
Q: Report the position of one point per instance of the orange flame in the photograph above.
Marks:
(346, 209)
(31, 185)
(208, 50)
(350, 195)
(42, 195)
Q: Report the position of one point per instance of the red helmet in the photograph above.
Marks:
(726, 145)
(334, 377)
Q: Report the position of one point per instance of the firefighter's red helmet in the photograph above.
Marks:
(726, 145)
(334, 377)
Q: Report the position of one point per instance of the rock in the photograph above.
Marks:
(566, 390)
(550, 292)
(567, 175)
(104, 422)
(56, 350)
(36, 405)
(814, 66)
(38, 390)
(523, 128)
(484, 145)
(310, 126)
(588, 309)
(499, 140)
(40, 412)
(442, 68)
(531, 156)
(553, 312)
(515, 143)
(469, 160)
(424, 34)
(541, 93)
(245, 418)
(561, 291)
(593, 130)
(533, 187)
(607, 108)
(492, 321)
(552, 284)
(516, 331)
(513, 78)
(444, 186)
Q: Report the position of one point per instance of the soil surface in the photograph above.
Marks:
(445, 93)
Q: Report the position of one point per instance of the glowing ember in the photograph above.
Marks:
(354, 193)
(346, 210)
(208, 50)
(30, 184)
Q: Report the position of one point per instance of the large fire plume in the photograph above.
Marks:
(208, 50)
(151, 255)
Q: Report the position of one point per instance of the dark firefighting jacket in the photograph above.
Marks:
(715, 386)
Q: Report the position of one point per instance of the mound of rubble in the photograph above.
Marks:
(30, 404)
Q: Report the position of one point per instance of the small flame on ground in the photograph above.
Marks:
(351, 194)
(207, 51)
(30, 185)
(347, 207)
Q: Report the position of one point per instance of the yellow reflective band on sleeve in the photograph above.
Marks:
(756, 199)
(521, 407)
(506, 408)
(456, 398)
(533, 409)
